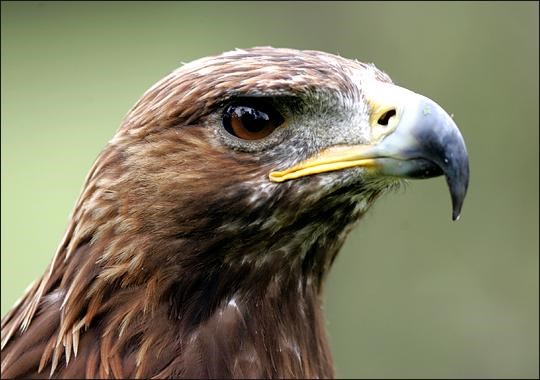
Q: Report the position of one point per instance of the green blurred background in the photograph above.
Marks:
(412, 294)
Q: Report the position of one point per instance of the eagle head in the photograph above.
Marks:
(202, 237)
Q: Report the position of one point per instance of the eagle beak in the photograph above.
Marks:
(412, 137)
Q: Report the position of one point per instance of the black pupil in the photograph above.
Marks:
(252, 120)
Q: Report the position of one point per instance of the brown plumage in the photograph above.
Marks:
(183, 258)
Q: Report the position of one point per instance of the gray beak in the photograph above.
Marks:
(425, 143)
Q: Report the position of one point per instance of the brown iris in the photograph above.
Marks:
(251, 121)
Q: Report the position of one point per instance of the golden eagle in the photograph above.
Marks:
(201, 240)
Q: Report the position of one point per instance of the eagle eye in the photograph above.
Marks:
(251, 121)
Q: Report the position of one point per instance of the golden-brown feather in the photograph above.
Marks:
(146, 281)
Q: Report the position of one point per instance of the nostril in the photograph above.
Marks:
(385, 117)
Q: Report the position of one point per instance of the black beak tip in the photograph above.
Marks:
(456, 213)
(458, 191)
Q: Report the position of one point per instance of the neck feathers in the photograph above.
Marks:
(192, 294)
